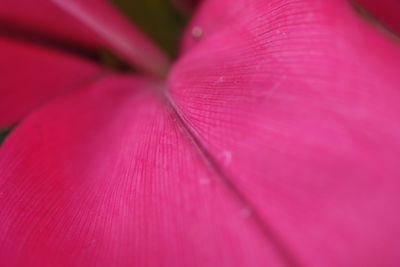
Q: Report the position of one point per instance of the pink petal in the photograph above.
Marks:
(388, 11)
(298, 103)
(294, 104)
(209, 17)
(106, 177)
(44, 19)
(31, 76)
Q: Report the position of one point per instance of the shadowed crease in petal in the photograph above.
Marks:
(387, 11)
(32, 75)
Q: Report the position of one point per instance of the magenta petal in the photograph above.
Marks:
(42, 18)
(209, 17)
(31, 76)
(105, 177)
(299, 103)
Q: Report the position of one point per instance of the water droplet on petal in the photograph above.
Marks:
(204, 181)
(227, 157)
(245, 212)
(197, 32)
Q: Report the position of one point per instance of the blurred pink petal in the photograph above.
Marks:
(388, 11)
(106, 177)
(117, 33)
(298, 101)
(45, 19)
(32, 75)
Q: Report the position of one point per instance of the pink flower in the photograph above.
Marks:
(274, 140)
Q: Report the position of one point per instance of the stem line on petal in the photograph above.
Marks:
(248, 210)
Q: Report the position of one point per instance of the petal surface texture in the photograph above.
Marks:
(298, 102)
(31, 75)
(278, 147)
(106, 177)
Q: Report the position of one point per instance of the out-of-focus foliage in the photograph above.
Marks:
(3, 134)
(111, 61)
(158, 18)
